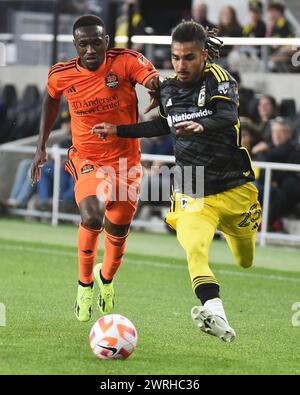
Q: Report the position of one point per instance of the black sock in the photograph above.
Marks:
(207, 291)
(104, 279)
(86, 285)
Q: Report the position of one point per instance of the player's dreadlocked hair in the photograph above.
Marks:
(192, 31)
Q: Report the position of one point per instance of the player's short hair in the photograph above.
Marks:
(88, 20)
(188, 31)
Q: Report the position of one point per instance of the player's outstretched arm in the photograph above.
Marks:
(153, 86)
(156, 127)
(226, 114)
(50, 110)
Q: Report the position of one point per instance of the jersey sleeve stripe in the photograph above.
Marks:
(215, 74)
(220, 97)
(227, 74)
(222, 72)
(117, 54)
(154, 72)
(59, 70)
(60, 65)
(111, 54)
(74, 168)
(70, 170)
(119, 50)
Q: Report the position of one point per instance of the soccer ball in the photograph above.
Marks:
(113, 337)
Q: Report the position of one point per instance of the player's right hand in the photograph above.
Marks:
(40, 159)
(154, 94)
(104, 130)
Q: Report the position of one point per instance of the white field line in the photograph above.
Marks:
(154, 264)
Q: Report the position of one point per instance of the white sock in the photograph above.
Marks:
(216, 307)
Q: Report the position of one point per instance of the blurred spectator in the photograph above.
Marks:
(286, 200)
(161, 145)
(256, 27)
(280, 146)
(228, 26)
(267, 110)
(250, 134)
(8, 115)
(43, 200)
(199, 14)
(162, 16)
(22, 193)
(155, 184)
(24, 121)
(246, 96)
(278, 26)
(22, 189)
(137, 23)
(279, 150)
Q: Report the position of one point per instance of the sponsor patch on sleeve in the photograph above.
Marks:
(143, 60)
(223, 87)
(86, 169)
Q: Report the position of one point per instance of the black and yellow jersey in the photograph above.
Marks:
(212, 102)
(282, 28)
(251, 30)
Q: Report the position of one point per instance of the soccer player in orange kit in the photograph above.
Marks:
(99, 87)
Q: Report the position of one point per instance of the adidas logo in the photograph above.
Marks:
(72, 89)
(169, 103)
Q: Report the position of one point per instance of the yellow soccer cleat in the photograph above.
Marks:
(83, 303)
(106, 298)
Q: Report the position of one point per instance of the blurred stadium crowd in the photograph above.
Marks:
(270, 128)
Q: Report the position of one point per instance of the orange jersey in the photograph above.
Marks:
(104, 95)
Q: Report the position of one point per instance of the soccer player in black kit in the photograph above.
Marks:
(199, 107)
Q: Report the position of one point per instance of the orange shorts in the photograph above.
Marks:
(117, 187)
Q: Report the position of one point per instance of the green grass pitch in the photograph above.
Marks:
(38, 269)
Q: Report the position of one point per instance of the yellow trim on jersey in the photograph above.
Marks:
(237, 127)
(160, 114)
(222, 72)
(220, 97)
(244, 148)
(207, 67)
(215, 74)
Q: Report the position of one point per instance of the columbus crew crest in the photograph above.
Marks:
(111, 80)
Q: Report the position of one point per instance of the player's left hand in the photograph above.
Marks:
(153, 92)
(188, 127)
(104, 130)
